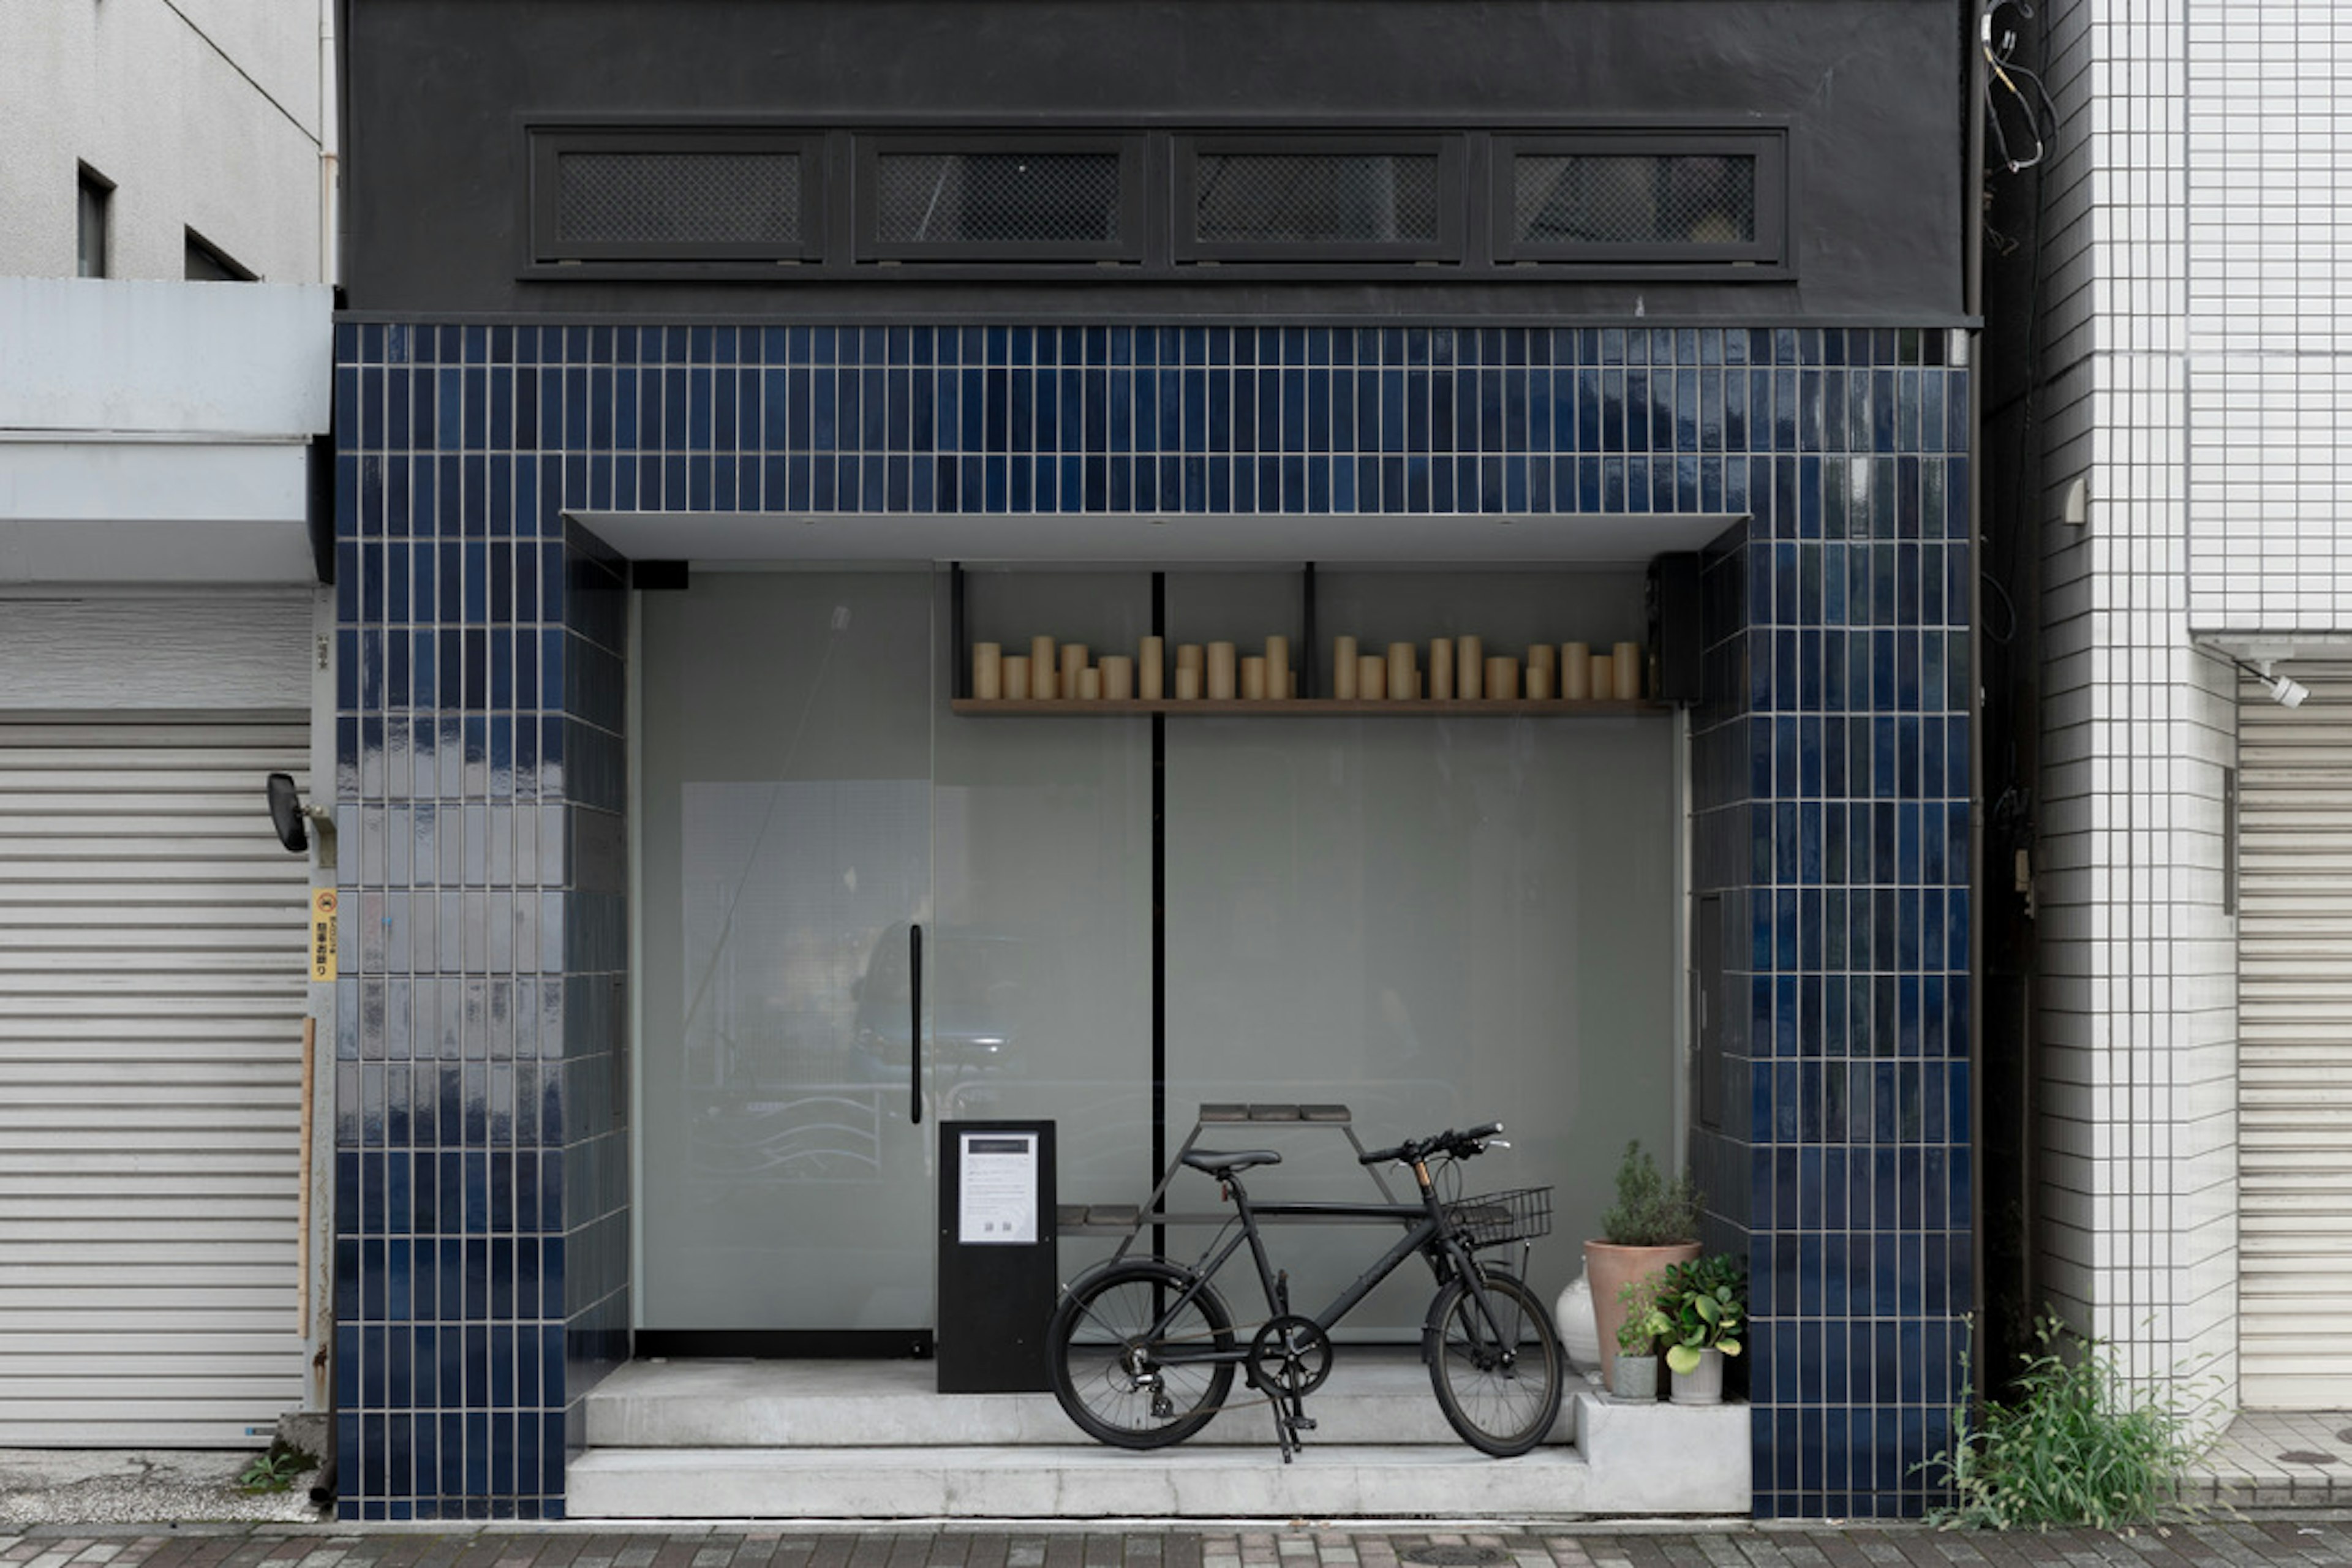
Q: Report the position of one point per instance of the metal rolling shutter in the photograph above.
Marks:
(152, 993)
(2295, 1062)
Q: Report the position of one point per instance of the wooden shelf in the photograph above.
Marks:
(1305, 707)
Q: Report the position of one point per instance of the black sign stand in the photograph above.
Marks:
(996, 1264)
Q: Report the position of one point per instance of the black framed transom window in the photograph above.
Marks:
(658, 194)
(983, 197)
(1156, 200)
(1288, 198)
(1650, 198)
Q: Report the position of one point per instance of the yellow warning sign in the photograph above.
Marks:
(322, 933)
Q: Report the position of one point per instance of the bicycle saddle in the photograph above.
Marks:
(1221, 1165)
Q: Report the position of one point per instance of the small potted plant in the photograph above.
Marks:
(1646, 1326)
(1653, 1223)
(1704, 1303)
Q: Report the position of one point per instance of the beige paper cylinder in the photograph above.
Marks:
(1074, 663)
(1117, 673)
(1575, 671)
(1371, 677)
(1543, 657)
(1277, 664)
(1629, 672)
(1502, 675)
(1188, 683)
(1343, 669)
(1189, 656)
(1469, 668)
(1041, 668)
(1149, 676)
(1017, 679)
(1441, 669)
(988, 671)
(1219, 681)
(1402, 669)
(1539, 682)
(1252, 678)
(1091, 684)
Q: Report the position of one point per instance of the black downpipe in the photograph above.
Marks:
(1972, 219)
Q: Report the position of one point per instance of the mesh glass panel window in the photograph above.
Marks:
(1652, 199)
(651, 196)
(1001, 199)
(1306, 200)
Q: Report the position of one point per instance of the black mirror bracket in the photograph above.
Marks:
(294, 820)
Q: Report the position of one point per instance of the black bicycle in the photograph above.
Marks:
(1142, 1350)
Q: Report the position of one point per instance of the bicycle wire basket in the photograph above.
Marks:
(1490, 1219)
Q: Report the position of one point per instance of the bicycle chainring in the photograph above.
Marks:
(1290, 1357)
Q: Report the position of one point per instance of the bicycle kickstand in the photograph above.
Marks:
(1290, 1418)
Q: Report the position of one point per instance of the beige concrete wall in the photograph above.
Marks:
(206, 114)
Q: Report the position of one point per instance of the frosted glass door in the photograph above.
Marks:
(1044, 834)
(786, 821)
(1435, 921)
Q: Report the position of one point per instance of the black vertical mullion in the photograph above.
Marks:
(1159, 922)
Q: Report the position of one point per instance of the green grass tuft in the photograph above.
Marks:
(2073, 1444)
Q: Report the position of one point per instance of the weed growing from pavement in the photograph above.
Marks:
(276, 1470)
(2074, 1443)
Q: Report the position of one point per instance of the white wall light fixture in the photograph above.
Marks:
(2283, 691)
(2075, 509)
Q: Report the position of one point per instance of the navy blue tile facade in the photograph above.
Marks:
(482, 1101)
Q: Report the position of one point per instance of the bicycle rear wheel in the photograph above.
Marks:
(1501, 1391)
(1129, 1372)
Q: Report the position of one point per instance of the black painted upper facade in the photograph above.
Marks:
(1864, 94)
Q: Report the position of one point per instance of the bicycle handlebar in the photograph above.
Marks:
(1460, 1145)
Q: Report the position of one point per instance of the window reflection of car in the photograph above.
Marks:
(976, 991)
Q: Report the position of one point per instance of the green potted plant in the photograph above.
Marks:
(1653, 1223)
(1646, 1326)
(1705, 1302)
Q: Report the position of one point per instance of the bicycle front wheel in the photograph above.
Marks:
(1499, 1384)
(1132, 1367)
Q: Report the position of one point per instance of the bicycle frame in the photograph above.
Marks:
(1425, 1231)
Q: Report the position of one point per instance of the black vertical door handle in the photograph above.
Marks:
(915, 1024)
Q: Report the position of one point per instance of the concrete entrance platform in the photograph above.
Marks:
(2278, 1458)
(874, 1440)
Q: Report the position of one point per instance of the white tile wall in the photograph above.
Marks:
(2138, 1006)
(2199, 374)
(2269, 163)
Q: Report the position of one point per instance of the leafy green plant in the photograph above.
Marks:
(1706, 1301)
(1651, 1210)
(1646, 1322)
(277, 1469)
(2072, 1444)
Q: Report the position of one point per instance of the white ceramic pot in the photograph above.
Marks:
(1579, 1334)
(1704, 1383)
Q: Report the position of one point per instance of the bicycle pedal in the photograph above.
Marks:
(1302, 1424)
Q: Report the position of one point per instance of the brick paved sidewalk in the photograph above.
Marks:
(2245, 1544)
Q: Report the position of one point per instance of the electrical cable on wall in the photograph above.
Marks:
(2040, 114)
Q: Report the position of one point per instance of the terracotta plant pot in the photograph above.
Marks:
(1611, 1268)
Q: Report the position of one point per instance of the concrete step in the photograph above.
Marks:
(1630, 1460)
(1043, 1482)
(1374, 1397)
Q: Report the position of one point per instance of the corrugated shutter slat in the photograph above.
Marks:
(2294, 1022)
(152, 987)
